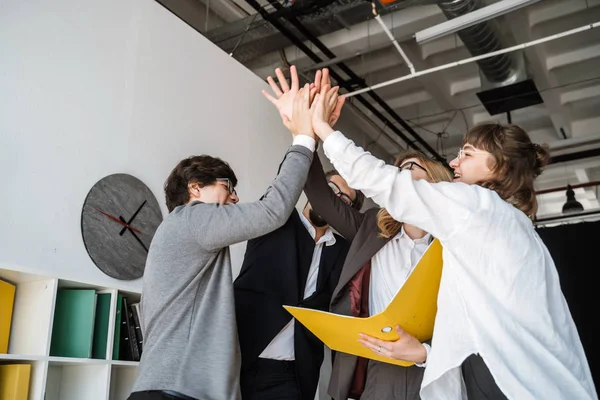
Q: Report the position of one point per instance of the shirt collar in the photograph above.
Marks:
(328, 238)
(424, 240)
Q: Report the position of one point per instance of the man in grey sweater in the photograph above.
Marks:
(191, 348)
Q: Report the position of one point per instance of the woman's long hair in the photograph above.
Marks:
(436, 172)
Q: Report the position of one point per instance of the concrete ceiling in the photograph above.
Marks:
(440, 106)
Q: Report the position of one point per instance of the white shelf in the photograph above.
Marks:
(76, 361)
(21, 357)
(62, 378)
(67, 360)
(71, 381)
(119, 363)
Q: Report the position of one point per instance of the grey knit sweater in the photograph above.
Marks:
(188, 314)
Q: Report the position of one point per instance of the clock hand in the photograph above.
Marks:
(132, 218)
(124, 223)
(117, 220)
(136, 238)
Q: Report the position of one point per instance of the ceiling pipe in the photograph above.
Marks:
(474, 59)
(563, 188)
(579, 217)
(344, 83)
(333, 61)
(574, 156)
(573, 143)
(393, 39)
(360, 81)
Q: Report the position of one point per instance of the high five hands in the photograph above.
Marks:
(312, 110)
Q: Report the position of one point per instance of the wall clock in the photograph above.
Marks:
(118, 220)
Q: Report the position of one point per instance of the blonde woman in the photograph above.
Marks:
(382, 255)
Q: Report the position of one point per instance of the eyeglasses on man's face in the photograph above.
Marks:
(338, 192)
(229, 187)
(410, 165)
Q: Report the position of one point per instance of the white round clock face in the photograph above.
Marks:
(118, 220)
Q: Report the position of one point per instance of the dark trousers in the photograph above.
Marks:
(270, 380)
(479, 381)
(152, 395)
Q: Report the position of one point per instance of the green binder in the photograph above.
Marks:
(101, 326)
(74, 319)
(117, 339)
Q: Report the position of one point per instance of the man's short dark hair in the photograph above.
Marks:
(203, 170)
(360, 197)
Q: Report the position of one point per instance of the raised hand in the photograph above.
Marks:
(284, 100)
(407, 348)
(323, 106)
(335, 114)
(301, 121)
(322, 80)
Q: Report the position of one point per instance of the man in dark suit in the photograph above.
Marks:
(298, 264)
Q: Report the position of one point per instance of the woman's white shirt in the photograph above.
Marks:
(500, 294)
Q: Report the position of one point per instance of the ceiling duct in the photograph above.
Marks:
(505, 82)
(481, 39)
(504, 78)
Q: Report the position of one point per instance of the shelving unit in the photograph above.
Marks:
(61, 378)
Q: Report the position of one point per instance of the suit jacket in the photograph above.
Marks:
(273, 274)
(362, 231)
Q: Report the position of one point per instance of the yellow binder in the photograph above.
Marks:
(7, 299)
(14, 381)
(413, 308)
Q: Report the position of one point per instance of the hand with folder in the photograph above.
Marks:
(407, 348)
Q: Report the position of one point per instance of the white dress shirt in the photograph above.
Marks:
(499, 295)
(282, 346)
(390, 268)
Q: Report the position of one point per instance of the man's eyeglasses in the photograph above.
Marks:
(230, 188)
(410, 166)
(338, 192)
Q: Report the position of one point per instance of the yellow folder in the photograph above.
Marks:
(7, 299)
(14, 381)
(413, 308)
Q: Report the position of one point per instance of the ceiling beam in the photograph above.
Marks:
(575, 156)
(226, 9)
(572, 57)
(564, 188)
(547, 11)
(363, 37)
(582, 93)
(536, 57)
(344, 82)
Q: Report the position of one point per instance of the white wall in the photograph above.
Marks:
(95, 87)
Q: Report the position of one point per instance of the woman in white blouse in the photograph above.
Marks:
(500, 296)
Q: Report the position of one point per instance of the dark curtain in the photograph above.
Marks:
(574, 249)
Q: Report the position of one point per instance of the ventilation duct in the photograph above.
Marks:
(481, 39)
(504, 79)
(505, 83)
